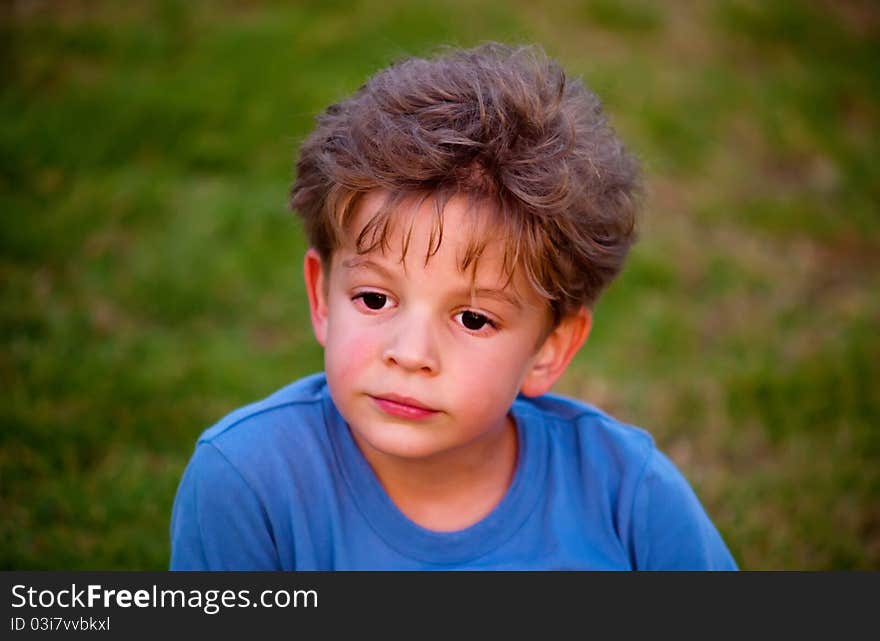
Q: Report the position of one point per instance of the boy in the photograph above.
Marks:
(464, 213)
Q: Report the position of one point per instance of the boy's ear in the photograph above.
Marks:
(556, 352)
(313, 272)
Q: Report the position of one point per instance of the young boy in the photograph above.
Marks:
(464, 214)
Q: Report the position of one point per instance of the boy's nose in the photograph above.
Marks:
(412, 346)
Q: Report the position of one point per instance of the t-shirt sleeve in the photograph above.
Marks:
(671, 529)
(218, 522)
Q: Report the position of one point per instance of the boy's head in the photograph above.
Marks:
(498, 125)
(463, 214)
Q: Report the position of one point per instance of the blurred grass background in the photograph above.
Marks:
(151, 271)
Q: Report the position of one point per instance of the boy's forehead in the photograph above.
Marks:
(419, 228)
(420, 233)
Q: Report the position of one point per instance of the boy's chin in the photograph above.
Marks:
(397, 440)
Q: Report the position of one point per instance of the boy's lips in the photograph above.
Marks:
(403, 406)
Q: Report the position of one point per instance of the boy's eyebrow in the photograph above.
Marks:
(498, 294)
(365, 263)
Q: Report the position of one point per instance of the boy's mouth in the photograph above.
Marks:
(403, 406)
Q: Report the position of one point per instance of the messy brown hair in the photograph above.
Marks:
(502, 125)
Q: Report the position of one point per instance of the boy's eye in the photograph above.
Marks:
(474, 321)
(373, 300)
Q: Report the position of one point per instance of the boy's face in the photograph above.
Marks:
(423, 360)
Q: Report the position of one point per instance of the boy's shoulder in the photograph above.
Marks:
(291, 425)
(572, 424)
(259, 420)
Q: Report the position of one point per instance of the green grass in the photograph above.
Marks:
(151, 272)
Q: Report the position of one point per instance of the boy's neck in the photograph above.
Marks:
(454, 491)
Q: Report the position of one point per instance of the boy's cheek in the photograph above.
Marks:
(494, 388)
(347, 355)
(496, 361)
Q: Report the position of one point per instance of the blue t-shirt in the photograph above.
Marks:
(282, 485)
